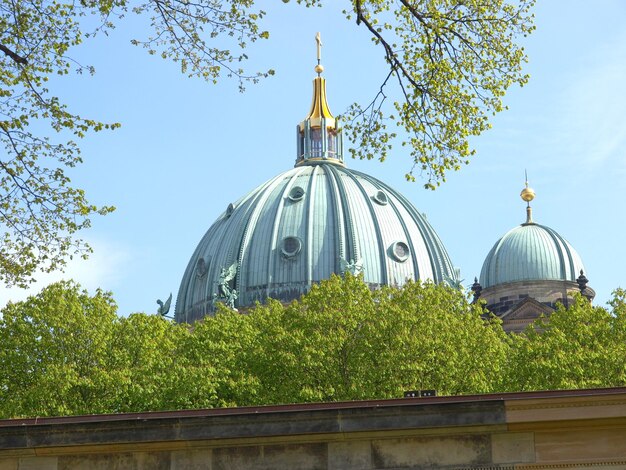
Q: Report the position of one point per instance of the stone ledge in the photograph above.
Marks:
(259, 424)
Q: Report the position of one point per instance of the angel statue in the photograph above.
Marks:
(455, 282)
(226, 293)
(164, 308)
(353, 267)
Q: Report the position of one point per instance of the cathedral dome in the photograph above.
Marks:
(304, 225)
(529, 272)
(530, 252)
(307, 223)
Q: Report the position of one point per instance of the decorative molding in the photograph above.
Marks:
(583, 464)
(570, 403)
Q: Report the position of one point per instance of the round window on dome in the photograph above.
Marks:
(400, 251)
(381, 198)
(296, 193)
(291, 246)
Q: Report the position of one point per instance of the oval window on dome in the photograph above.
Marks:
(296, 193)
(381, 198)
(400, 251)
(291, 246)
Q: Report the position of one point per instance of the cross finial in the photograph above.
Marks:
(319, 68)
(318, 39)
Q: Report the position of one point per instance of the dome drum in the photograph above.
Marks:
(502, 298)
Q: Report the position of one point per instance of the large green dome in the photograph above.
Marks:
(307, 223)
(304, 225)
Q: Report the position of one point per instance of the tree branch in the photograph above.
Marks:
(392, 58)
(16, 57)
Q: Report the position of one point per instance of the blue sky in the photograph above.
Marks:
(187, 149)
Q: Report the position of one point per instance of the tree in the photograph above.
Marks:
(577, 347)
(451, 63)
(217, 357)
(65, 352)
(145, 358)
(53, 353)
(343, 341)
(40, 211)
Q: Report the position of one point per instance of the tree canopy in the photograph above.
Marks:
(65, 352)
(449, 64)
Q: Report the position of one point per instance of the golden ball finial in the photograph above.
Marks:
(319, 68)
(527, 194)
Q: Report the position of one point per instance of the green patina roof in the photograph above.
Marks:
(530, 252)
(304, 225)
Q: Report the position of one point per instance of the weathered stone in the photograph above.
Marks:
(275, 457)
(37, 463)
(252, 425)
(349, 455)
(581, 445)
(513, 447)
(526, 430)
(433, 451)
(197, 459)
(8, 464)
(426, 416)
(152, 460)
(123, 461)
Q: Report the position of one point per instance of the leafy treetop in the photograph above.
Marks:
(66, 352)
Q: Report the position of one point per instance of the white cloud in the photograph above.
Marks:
(104, 269)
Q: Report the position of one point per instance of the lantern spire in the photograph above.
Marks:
(319, 137)
(528, 194)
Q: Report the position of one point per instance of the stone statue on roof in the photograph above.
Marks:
(225, 290)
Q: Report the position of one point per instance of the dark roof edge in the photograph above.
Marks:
(309, 407)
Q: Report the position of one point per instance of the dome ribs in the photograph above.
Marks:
(384, 267)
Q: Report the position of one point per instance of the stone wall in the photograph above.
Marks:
(502, 298)
(571, 429)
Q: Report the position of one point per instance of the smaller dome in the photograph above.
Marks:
(530, 252)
